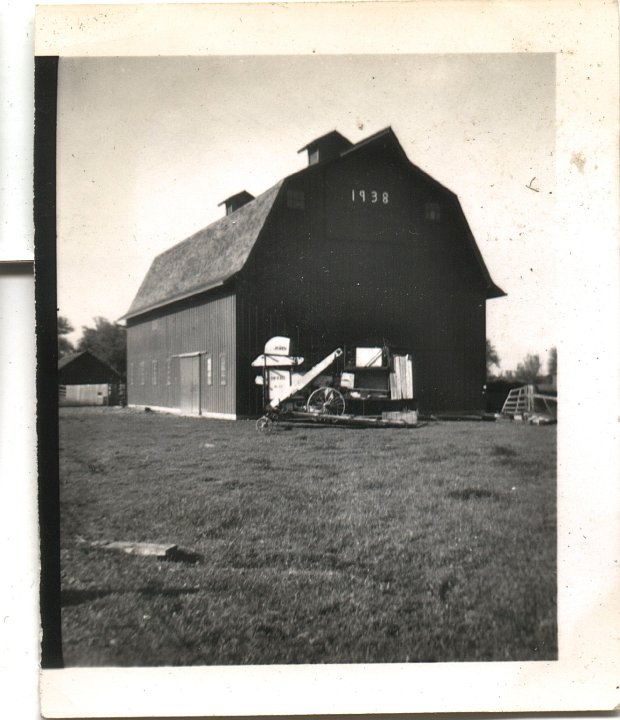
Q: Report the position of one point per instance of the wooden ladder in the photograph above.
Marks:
(520, 400)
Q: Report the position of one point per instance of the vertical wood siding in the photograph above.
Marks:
(337, 273)
(208, 328)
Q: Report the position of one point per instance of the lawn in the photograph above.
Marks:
(310, 544)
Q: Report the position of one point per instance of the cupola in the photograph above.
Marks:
(234, 202)
(326, 147)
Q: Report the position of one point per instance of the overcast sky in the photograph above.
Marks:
(148, 147)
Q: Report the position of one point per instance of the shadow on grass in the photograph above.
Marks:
(503, 451)
(473, 493)
(70, 598)
(184, 556)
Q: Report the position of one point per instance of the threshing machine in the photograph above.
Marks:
(288, 393)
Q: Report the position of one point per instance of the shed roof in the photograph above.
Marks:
(85, 367)
(68, 359)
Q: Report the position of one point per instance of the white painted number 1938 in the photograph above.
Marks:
(370, 196)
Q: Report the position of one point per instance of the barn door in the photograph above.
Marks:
(190, 384)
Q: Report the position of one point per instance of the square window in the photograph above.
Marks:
(209, 370)
(432, 211)
(223, 370)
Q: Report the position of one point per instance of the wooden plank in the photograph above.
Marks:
(410, 371)
(140, 548)
(408, 378)
(393, 388)
(398, 369)
(355, 420)
(408, 416)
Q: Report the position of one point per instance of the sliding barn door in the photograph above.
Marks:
(190, 384)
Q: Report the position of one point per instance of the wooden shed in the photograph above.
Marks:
(360, 248)
(84, 379)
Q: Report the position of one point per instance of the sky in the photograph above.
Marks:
(148, 147)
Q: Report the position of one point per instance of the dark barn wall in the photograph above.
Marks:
(342, 271)
(203, 325)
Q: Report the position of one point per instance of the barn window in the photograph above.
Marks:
(432, 211)
(223, 370)
(131, 373)
(154, 372)
(142, 373)
(209, 370)
(296, 199)
(169, 371)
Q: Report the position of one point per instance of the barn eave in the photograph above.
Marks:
(200, 290)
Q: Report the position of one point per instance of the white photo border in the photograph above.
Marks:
(583, 36)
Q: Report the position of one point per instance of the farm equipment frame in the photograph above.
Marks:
(288, 395)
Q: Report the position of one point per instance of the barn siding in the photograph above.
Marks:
(208, 328)
(335, 274)
(91, 394)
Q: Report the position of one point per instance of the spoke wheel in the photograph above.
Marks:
(264, 424)
(326, 401)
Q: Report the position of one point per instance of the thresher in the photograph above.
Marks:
(288, 393)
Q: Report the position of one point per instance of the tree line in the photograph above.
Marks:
(106, 340)
(529, 371)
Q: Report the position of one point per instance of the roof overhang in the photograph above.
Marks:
(493, 291)
(177, 298)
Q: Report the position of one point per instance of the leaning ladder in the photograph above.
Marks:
(520, 400)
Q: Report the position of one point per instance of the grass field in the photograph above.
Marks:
(312, 544)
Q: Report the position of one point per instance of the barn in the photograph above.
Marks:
(361, 248)
(85, 379)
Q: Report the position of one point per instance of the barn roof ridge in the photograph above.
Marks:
(371, 138)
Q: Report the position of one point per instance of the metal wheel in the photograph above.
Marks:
(326, 401)
(264, 424)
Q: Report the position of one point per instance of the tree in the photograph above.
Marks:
(108, 341)
(492, 357)
(65, 347)
(552, 361)
(529, 369)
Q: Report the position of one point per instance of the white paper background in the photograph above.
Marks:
(584, 36)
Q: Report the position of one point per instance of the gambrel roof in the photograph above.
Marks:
(213, 255)
(206, 259)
